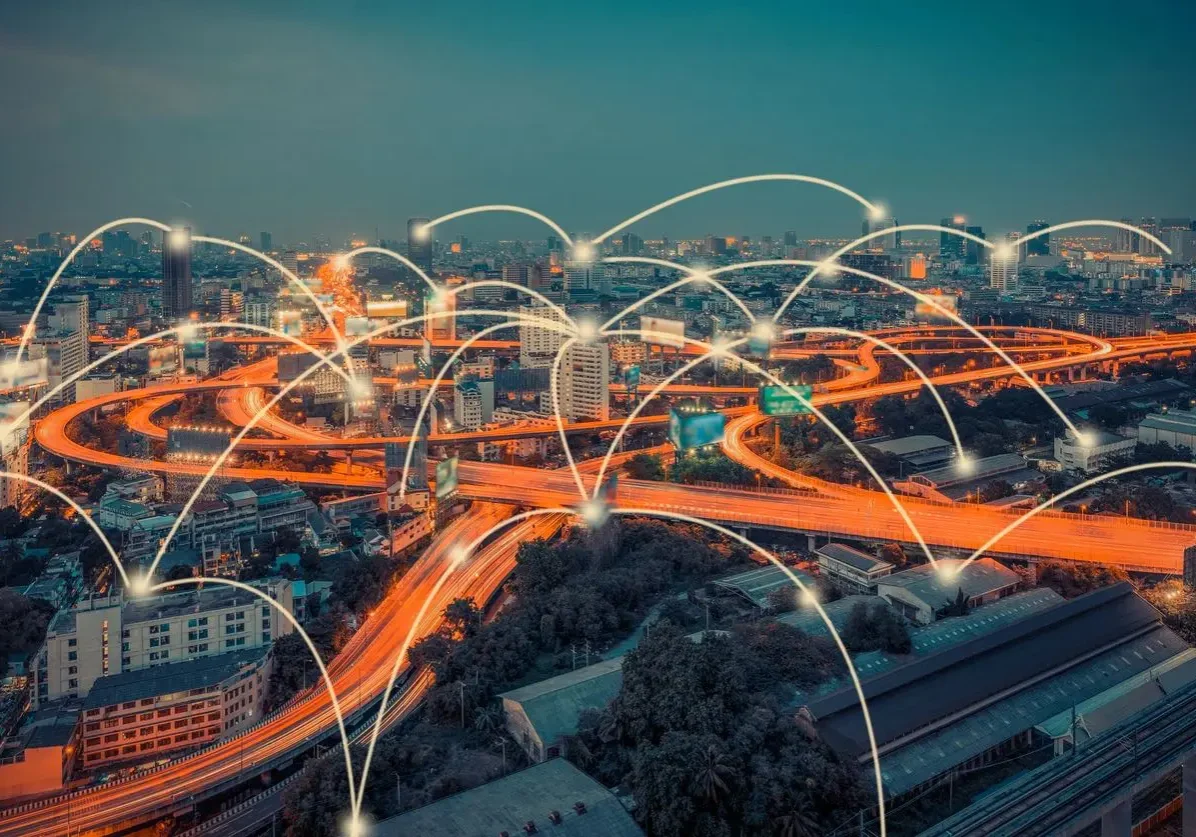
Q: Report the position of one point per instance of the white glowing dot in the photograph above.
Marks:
(594, 512)
(422, 232)
(340, 262)
(459, 555)
(720, 347)
(763, 330)
(877, 213)
(178, 239)
(587, 329)
(947, 572)
(354, 825)
(808, 597)
(1005, 252)
(1085, 439)
(139, 586)
(965, 465)
(188, 332)
(583, 251)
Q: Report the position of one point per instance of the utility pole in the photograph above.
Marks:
(461, 683)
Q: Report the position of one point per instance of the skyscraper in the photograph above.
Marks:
(1040, 246)
(176, 275)
(952, 247)
(1002, 275)
(419, 244)
(973, 251)
(892, 241)
(267, 242)
(584, 383)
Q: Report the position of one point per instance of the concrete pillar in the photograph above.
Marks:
(811, 542)
(1119, 821)
(1189, 785)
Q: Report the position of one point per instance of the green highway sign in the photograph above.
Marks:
(776, 401)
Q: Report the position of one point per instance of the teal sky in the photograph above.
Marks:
(303, 117)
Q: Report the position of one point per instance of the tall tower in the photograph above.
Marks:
(1040, 246)
(1002, 274)
(176, 275)
(419, 244)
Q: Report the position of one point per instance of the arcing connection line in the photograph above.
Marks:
(448, 364)
(811, 598)
(830, 262)
(28, 332)
(458, 557)
(694, 276)
(83, 515)
(716, 351)
(736, 181)
(1092, 222)
(554, 390)
(218, 463)
(286, 614)
(927, 300)
(399, 257)
(1021, 519)
(290, 277)
(498, 207)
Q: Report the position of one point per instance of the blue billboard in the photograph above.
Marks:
(446, 477)
(631, 376)
(695, 429)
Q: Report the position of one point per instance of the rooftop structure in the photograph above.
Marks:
(918, 452)
(921, 593)
(555, 796)
(540, 715)
(758, 584)
(851, 568)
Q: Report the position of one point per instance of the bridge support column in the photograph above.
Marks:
(811, 543)
(1119, 821)
(1189, 785)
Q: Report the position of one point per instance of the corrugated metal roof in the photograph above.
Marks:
(756, 585)
(938, 585)
(852, 557)
(553, 706)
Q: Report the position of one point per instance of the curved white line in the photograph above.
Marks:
(423, 408)
(218, 463)
(456, 561)
(694, 276)
(735, 181)
(1129, 469)
(1091, 222)
(715, 351)
(499, 207)
(855, 678)
(286, 614)
(830, 261)
(406, 262)
(44, 486)
(28, 332)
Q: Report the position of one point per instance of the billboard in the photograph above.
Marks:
(775, 401)
(925, 311)
(195, 350)
(386, 309)
(163, 360)
(290, 323)
(631, 376)
(14, 426)
(694, 429)
(662, 332)
(446, 477)
(27, 373)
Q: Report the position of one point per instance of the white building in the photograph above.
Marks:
(584, 382)
(103, 637)
(473, 403)
(1002, 270)
(1102, 447)
(538, 345)
(1176, 428)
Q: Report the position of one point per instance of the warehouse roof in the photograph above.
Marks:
(926, 689)
(843, 553)
(756, 585)
(553, 706)
(506, 805)
(1178, 421)
(1165, 388)
(910, 445)
(939, 584)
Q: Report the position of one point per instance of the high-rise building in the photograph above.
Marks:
(1002, 275)
(1146, 247)
(1040, 246)
(267, 242)
(586, 277)
(973, 252)
(516, 274)
(473, 403)
(633, 245)
(176, 275)
(419, 244)
(539, 344)
(790, 238)
(584, 382)
(952, 247)
(892, 241)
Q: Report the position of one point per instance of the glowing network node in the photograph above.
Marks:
(341, 262)
(178, 239)
(947, 573)
(139, 586)
(188, 332)
(355, 825)
(583, 251)
(459, 555)
(1086, 439)
(808, 598)
(422, 232)
(763, 330)
(877, 213)
(1004, 252)
(594, 512)
(587, 330)
(965, 465)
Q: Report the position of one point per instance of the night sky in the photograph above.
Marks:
(336, 117)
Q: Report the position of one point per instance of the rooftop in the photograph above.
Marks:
(910, 697)
(216, 597)
(1177, 421)
(852, 557)
(199, 673)
(756, 585)
(1165, 388)
(507, 804)
(553, 706)
(981, 469)
(938, 585)
(908, 445)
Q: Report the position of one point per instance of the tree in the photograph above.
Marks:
(714, 775)
(645, 466)
(1075, 579)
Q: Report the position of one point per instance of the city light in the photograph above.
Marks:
(583, 252)
(587, 329)
(422, 232)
